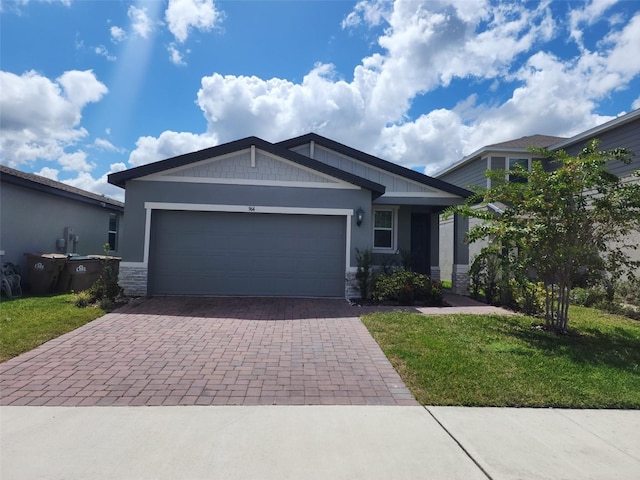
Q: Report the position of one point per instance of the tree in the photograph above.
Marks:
(561, 223)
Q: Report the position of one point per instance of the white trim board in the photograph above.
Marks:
(252, 182)
(437, 194)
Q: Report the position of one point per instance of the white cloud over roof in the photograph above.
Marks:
(420, 50)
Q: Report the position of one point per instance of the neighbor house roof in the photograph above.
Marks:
(121, 178)
(518, 145)
(43, 184)
(543, 141)
(375, 161)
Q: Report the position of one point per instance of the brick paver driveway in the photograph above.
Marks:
(210, 351)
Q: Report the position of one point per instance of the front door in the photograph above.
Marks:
(420, 242)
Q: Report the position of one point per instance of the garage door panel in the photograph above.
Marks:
(218, 253)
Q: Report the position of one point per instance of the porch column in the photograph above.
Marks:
(460, 271)
(434, 253)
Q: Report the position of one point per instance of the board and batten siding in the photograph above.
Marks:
(625, 136)
(470, 174)
(393, 183)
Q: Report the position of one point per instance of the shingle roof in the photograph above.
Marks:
(542, 141)
(44, 184)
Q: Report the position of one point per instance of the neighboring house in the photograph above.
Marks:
(252, 217)
(38, 215)
(455, 255)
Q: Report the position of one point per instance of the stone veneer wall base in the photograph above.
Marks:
(133, 280)
(460, 280)
(351, 286)
(435, 274)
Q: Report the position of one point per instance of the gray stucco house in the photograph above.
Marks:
(455, 255)
(252, 217)
(39, 215)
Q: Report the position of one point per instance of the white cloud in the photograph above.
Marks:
(372, 14)
(15, 5)
(50, 173)
(424, 46)
(175, 55)
(140, 21)
(106, 145)
(75, 162)
(41, 117)
(102, 51)
(636, 103)
(184, 15)
(117, 34)
(100, 185)
(167, 145)
(590, 13)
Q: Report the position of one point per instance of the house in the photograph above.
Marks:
(256, 218)
(455, 255)
(39, 215)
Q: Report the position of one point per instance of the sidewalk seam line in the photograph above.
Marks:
(458, 443)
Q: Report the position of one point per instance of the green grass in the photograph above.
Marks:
(487, 360)
(26, 323)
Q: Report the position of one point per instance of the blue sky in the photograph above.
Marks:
(91, 87)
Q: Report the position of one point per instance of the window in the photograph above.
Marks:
(113, 232)
(512, 164)
(384, 231)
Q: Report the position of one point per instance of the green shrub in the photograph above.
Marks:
(105, 290)
(588, 297)
(629, 292)
(407, 288)
(529, 297)
(485, 275)
(82, 299)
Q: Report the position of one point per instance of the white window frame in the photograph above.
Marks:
(507, 165)
(394, 229)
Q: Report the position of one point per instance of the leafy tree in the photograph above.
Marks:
(561, 223)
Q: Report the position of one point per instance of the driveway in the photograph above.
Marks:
(210, 351)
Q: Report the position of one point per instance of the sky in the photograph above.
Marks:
(90, 87)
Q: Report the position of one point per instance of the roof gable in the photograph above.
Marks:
(425, 182)
(296, 162)
(250, 166)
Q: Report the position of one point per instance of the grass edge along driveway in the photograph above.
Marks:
(489, 360)
(28, 322)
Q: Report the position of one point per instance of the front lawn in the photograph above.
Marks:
(488, 360)
(26, 323)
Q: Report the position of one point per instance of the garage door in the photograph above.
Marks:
(220, 253)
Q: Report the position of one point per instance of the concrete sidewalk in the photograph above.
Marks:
(317, 442)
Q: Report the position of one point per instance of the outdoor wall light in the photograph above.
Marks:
(359, 216)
